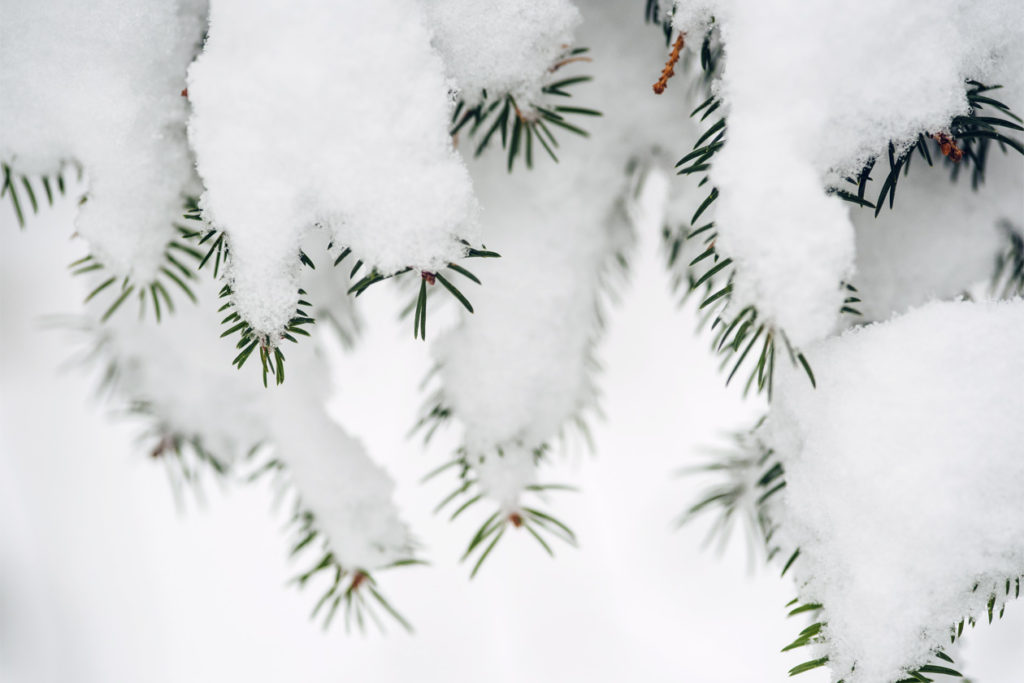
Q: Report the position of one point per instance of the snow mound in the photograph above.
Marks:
(812, 91)
(903, 477)
(334, 114)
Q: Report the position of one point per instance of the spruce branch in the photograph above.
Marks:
(428, 279)
(173, 275)
(670, 65)
(23, 194)
(540, 525)
(186, 455)
(351, 590)
(520, 126)
(269, 346)
(653, 15)
(967, 144)
(749, 477)
(1008, 276)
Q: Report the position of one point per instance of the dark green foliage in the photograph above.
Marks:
(974, 135)
(1008, 278)
(999, 594)
(26, 195)
(175, 274)
(541, 526)
(354, 591)
(271, 355)
(519, 128)
(751, 476)
(427, 280)
(740, 337)
(653, 15)
(815, 635)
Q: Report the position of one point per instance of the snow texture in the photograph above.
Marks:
(903, 477)
(350, 496)
(335, 114)
(522, 368)
(812, 92)
(504, 47)
(191, 390)
(100, 85)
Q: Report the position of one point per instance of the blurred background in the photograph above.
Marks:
(105, 577)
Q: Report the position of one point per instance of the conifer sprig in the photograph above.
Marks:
(174, 274)
(967, 144)
(1008, 278)
(427, 280)
(653, 15)
(540, 525)
(518, 127)
(354, 592)
(23, 195)
(269, 346)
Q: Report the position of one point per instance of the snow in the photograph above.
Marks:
(903, 477)
(324, 113)
(191, 390)
(524, 366)
(100, 85)
(812, 92)
(351, 497)
(503, 48)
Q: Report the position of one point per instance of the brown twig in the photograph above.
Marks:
(569, 60)
(948, 146)
(670, 65)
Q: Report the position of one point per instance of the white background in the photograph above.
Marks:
(103, 579)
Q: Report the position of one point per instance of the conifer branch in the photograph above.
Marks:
(670, 65)
(518, 126)
(540, 525)
(25, 195)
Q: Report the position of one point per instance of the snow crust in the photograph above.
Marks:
(501, 47)
(335, 114)
(101, 85)
(813, 90)
(903, 477)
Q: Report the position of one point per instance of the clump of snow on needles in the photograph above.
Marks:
(904, 471)
(349, 494)
(524, 366)
(190, 390)
(336, 114)
(100, 84)
(812, 91)
(502, 47)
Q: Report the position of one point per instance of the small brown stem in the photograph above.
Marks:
(670, 65)
(431, 278)
(165, 444)
(948, 146)
(569, 60)
(516, 519)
